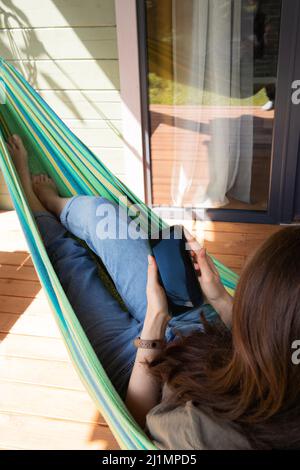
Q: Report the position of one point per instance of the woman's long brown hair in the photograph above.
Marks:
(246, 377)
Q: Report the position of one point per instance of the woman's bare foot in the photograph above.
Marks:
(46, 191)
(41, 191)
(18, 153)
(19, 156)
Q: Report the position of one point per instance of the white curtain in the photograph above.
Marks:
(213, 132)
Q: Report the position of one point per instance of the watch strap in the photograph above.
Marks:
(149, 343)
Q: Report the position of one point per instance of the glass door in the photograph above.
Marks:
(212, 82)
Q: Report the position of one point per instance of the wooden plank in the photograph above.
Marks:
(58, 374)
(227, 243)
(9, 222)
(81, 96)
(255, 240)
(99, 137)
(112, 158)
(5, 202)
(21, 258)
(114, 124)
(71, 74)
(26, 273)
(15, 288)
(59, 43)
(16, 305)
(37, 433)
(57, 13)
(84, 104)
(11, 235)
(14, 241)
(24, 325)
(33, 347)
(238, 227)
(61, 403)
(24, 305)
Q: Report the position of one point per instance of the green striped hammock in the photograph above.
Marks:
(55, 150)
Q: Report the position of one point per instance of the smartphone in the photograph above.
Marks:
(176, 270)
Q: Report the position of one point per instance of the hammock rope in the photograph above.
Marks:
(55, 150)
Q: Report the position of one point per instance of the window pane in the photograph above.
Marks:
(212, 86)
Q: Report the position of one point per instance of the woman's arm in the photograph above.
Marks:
(143, 390)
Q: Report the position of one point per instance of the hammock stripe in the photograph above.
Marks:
(55, 150)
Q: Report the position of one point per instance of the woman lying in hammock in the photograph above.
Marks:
(211, 387)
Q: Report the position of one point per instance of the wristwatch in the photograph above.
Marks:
(149, 343)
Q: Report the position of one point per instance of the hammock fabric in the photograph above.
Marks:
(55, 150)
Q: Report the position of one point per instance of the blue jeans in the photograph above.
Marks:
(110, 329)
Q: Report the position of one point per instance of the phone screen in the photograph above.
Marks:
(176, 270)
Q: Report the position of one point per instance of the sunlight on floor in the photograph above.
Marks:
(9, 223)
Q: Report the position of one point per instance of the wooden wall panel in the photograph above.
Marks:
(67, 50)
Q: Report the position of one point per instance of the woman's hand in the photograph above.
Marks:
(209, 279)
(157, 315)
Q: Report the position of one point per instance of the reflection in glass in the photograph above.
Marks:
(212, 82)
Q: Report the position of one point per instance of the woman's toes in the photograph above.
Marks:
(42, 179)
(11, 143)
(17, 149)
(17, 141)
(37, 179)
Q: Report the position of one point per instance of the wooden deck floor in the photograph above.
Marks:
(43, 404)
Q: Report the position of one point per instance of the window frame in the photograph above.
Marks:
(285, 145)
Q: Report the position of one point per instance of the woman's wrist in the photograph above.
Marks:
(155, 325)
(223, 307)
